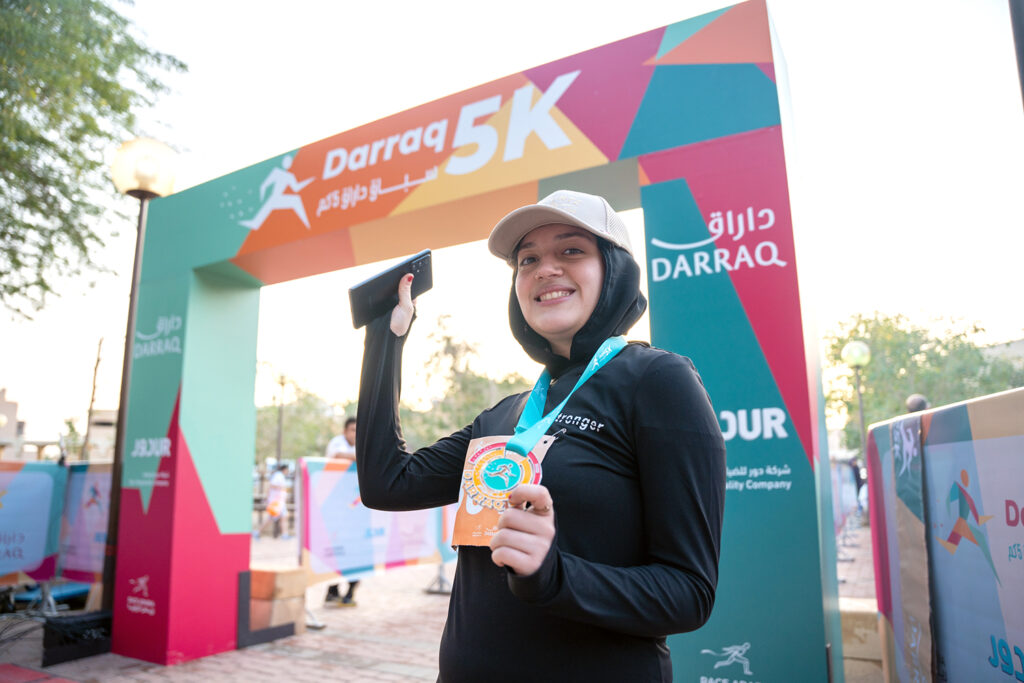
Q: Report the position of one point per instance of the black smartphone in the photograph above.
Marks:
(376, 296)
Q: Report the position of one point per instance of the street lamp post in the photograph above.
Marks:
(280, 418)
(142, 168)
(857, 355)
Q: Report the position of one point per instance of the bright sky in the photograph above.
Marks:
(904, 161)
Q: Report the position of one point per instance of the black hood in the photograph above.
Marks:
(620, 305)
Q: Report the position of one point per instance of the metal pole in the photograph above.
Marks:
(280, 418)
(860, 409)
(84, 455)
(110, 556)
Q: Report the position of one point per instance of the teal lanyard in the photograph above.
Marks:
(533, 423)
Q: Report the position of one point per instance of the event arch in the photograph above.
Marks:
(683, 121)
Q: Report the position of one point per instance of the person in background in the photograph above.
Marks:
(343, 446)
(277, 501)
(916, 403)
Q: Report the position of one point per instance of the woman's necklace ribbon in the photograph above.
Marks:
(533, 423)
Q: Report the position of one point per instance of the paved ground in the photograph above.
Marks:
(392, 635)
(855, 567)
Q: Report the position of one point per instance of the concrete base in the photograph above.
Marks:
(862, 671)
(862, 646)
(266, 613)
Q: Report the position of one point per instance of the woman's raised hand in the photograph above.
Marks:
(401, 315)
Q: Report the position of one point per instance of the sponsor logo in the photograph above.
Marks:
(1014, 513)
(279, 181)
(968, 524)
(767, 478)
(1002, 658)
(754, 423)
(526, 117)
(1014, 516)
(472, 144)
(140, 585)
(732, 655)
(159, 447)
(95, 498)
(694, 260)
(12, 544)
(166, 339)
(138, 601)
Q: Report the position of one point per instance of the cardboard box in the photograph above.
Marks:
(267, 613)
(274, 584)
(859, 621)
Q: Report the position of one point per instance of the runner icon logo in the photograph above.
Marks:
(139, 602)
(140, 585)
(733, 654)
(493, 472)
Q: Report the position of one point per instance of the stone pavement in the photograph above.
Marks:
(862, 649)
(392, 635)
(855, 568)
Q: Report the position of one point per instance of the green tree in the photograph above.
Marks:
(307, 424)
(467, 393)
(71, 77)
(309, 421)
(906, 359)
(72, 440)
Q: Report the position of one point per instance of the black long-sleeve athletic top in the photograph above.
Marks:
(637, 476)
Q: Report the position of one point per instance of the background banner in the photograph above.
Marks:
(31, 502)
(84, 523)
(342, 536)
(899, 544)
(948, 540)
(724, 291)
(685, 121)
(974, 460)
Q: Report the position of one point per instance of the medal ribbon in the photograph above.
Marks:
(533, 423)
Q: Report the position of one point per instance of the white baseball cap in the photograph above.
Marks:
(587, 211)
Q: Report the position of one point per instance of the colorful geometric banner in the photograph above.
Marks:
(901, 557)
(31, 501)
(974, 460)
(84, 523)
(948, 537)
(724, 291)
(342, 536)
(170, 612)
(390, 186)
(683, 120)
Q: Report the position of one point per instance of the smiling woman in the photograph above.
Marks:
(558, 281)
(590, 509)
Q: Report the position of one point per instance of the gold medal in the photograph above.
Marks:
(492, 472)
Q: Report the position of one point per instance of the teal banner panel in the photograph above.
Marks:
(709, 267)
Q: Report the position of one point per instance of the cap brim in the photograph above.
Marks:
(513, 227)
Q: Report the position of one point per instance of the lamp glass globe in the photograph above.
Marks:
(856, 354)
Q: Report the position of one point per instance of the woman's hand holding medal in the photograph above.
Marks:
(524, 533)
(401, 315)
